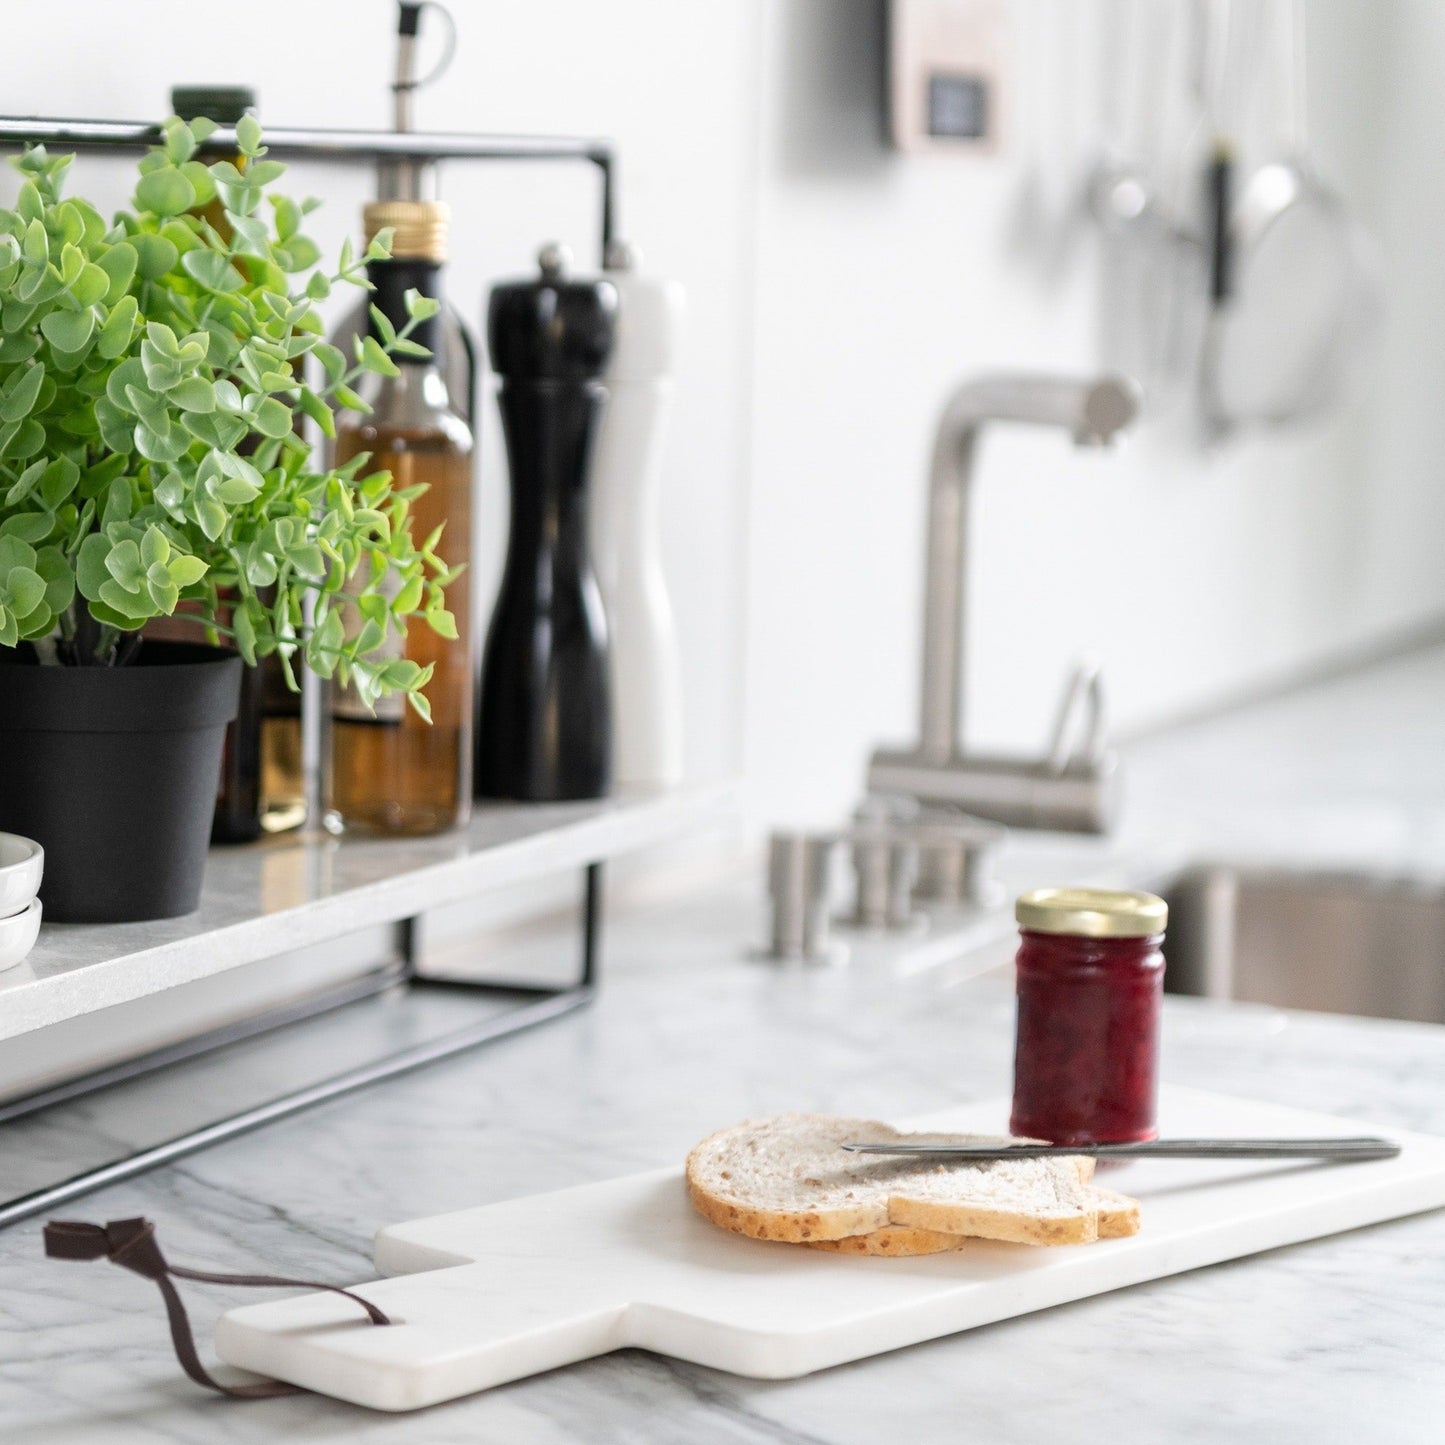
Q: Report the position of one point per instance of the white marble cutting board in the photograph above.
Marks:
(502, 1291)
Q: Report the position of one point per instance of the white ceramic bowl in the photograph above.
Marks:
(18, 934)
(22, 861)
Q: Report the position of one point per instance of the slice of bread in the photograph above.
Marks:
(896, 1240)
(1118, 1214)
(786, 1178)
(1118, 1217)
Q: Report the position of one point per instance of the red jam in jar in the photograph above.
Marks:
(1090, 981)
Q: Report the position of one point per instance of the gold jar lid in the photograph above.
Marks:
(1091, 912)
(420, 227)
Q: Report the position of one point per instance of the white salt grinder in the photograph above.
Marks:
(623, 525)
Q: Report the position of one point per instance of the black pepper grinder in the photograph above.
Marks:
(544, 722)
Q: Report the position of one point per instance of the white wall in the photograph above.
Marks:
(838, 291)
(884, 279)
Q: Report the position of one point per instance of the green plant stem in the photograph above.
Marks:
(107, 639)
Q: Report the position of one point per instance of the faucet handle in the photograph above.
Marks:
(1081, 728)
(800, 867)
(955, 857)
(885, 859)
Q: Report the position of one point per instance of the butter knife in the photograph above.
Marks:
(1363, 1147)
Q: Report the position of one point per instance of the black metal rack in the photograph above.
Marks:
(532, 1006)
(343, 147)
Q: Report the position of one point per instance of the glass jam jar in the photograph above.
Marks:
(1086, 1049)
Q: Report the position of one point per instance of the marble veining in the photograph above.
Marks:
(1306, 1342)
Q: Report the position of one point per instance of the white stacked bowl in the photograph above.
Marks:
(22, 863)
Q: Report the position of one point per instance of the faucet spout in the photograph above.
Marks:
(1093, 411)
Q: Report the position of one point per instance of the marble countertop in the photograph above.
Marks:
(1334, 1340)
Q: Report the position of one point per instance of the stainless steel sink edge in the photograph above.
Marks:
(1333, 941)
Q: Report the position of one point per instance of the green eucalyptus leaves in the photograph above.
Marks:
(151, 385)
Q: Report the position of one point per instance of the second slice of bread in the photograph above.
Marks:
(786, 1178)
(1118, 1218)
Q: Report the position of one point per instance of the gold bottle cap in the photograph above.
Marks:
(1091, 912)
(420, 227)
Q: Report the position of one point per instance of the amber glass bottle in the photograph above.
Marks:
(389, 771)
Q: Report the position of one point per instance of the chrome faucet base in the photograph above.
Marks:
(1073, 789)
(1082, 797)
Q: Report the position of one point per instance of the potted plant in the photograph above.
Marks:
(153, 373)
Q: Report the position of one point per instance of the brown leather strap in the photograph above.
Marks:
(131, 1243)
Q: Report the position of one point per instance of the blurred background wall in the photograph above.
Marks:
(838, 289)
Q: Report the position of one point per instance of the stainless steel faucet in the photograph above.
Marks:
(1074, 786)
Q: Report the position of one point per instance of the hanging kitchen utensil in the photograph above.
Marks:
(1119, 192)
(1221, 86)
(1163, 109)
(1140, 235)
(1302, 299)
(1223, 148)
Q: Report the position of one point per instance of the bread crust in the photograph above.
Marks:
(1118, 1217)
(899, 1224)
(895, 1241)
(1118, 1214)
(1081, 1227)
(784, 1227)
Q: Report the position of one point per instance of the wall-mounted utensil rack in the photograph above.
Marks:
(482, 854)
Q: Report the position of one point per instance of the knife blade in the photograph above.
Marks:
(1356, 1148)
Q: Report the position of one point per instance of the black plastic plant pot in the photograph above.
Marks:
(113, 770)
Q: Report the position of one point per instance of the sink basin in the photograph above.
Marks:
(1338, 943)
